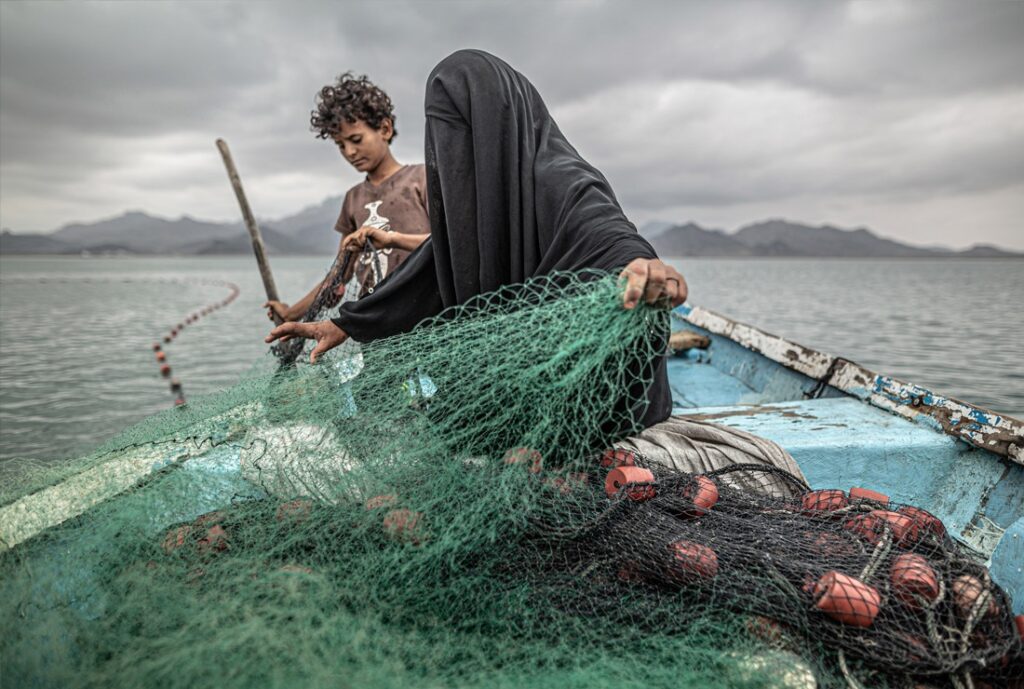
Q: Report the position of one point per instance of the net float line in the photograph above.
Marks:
(159, 346)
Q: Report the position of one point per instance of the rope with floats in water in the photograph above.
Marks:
(161, 355)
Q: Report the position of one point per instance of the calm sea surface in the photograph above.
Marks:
(76, 364)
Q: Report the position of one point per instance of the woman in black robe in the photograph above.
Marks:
(509, 199)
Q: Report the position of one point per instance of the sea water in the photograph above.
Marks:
(76, 334)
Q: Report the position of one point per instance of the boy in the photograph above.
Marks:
(389, 207)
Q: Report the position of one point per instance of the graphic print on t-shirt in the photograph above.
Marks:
(379, 261)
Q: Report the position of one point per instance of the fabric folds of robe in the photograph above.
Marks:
(693, 446)
(509, 199)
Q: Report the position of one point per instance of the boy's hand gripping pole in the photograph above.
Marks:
(250, 224)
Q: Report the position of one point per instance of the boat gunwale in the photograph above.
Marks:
(999, 434)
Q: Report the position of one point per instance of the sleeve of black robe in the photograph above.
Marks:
(509, 199)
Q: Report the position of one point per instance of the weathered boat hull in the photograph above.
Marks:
(849, 426)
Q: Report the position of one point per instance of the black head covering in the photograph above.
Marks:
(509, 199)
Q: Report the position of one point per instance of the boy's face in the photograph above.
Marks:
(363, 146)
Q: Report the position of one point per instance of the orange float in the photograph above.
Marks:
(846, 599)
(379, 501)
(823, 500)
(966, 590)
(637, 481)
(628, 573)
(701, 493)
(214, 540)
(913, 580)
(830, 544)
(176, 538)
(568, 483)
(160, 356)
(689, 561)
(865, 494)
(926, 521)
(618, 457)
(871, 526)
(532, 459)
(405, 525)
(297, 509)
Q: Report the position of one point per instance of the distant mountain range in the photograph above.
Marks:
(311, 231)
(782, 238)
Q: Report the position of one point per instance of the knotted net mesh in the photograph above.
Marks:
(447, 509)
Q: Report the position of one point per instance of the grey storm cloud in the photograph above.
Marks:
(907, 117)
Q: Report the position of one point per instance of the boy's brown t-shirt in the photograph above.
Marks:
(398, 203)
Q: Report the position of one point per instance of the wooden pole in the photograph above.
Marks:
(250, 224)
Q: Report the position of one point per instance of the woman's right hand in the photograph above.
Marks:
(652, 279)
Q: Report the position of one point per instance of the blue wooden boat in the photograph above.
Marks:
(845, 425)
(849, 426)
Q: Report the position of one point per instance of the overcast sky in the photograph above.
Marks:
(907, 118)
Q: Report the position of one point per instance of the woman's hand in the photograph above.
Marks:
(651, 279)
(326, 333)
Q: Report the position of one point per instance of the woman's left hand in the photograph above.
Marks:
(326, 333)
(652, 279)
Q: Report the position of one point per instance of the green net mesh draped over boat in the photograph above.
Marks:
(441, 509)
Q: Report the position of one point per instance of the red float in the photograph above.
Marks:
(966, 590)
(690, 562)
(824, 501)
(165, 370)
(638, 482)
(405, 525)
(176, 538)
(618, 457)
(214, 541)
(378, 501)
(865, 494)
(871, 526)
(846, 599)
(926, 522)
(297, 510)
(533, 459)
(913, 580)
(701, 493)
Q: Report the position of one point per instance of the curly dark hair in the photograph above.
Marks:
(351, 98)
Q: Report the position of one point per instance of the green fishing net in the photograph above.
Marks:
(443, 509)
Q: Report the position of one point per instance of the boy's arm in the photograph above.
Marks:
(299, 308)
(406, 242)
(382, 239)
(294, 311)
